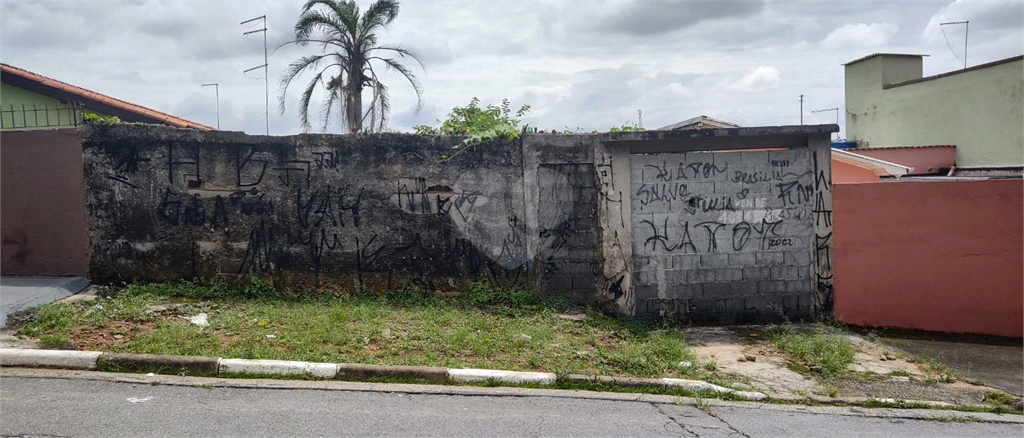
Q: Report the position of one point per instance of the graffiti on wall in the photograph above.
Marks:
(735, 223)
(258, 210)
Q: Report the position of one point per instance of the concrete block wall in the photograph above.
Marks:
(374, 211)
(724, 237)
(567, 228)
(638, 223)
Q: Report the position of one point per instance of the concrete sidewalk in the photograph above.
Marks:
(20, 293)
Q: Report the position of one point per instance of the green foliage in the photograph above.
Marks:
(479, 124)
(626, 127)
(833, 353)
(99, 119)
(484, 294)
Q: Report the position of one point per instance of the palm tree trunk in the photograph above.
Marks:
(354, 99)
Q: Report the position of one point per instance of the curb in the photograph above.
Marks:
(214, 366)
(157, 363)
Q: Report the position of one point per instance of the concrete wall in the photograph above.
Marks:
(979, 110)
(939, 256)
(727, 237)
(558, 213)
(358, 211)
(43, 207)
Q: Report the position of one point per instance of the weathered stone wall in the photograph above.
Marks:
(381, 209)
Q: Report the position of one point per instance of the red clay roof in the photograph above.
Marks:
(92, 100)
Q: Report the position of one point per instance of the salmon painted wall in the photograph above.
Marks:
(43, 213)
(843, 173)
(942, 256)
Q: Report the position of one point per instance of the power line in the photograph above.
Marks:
(265, 66)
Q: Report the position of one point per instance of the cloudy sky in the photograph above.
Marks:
(580, 65)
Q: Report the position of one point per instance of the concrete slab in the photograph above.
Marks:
(20, 293)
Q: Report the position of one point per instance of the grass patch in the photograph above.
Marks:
(826, 353)
(485, 327)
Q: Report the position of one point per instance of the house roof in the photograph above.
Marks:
(699, 120)
(955, 72)
(91, 100)
(882, 54)
(880, 167)
(923, 160)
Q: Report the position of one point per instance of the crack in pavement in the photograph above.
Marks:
(696, 429)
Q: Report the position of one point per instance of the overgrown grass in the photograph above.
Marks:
(486, 327)
(829, 352)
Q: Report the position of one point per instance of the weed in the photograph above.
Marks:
(899, 373)
(829, 390)
(940, 372)
(52, 340)
(832, 353)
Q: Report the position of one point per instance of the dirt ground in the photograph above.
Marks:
(877, 371)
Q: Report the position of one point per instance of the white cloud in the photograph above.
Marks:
(764, 77)
(860, 35)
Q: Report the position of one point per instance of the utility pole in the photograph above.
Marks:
(216, 88)
(801, 109)
(265, 66)
(640, 114)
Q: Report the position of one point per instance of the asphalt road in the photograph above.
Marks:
(52, 403)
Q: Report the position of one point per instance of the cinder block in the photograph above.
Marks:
(728, 274)
(797, 258)
(799, 286)
(769, 258)
(715, 290)
(742, 288)
(715, 260)
(771, 286)
(675, 276)
(742, 259)
(723, 187)
(685, 291)
(755, 273)
(686, 261)
(789, 272)
(644, 291)
(584, 282)
(697, 276)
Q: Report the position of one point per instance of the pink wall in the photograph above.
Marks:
(43, 218)
(943, 256)
(843, 173)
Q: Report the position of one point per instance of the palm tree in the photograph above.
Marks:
(347, 65)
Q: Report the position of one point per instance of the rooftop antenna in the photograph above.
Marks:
(266, 70)
(216, 88)
(830, 109)
(801, 109)
(967, 28)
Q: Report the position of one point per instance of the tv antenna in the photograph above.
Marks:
(967, 27)
(216, 88)
(830, 109)
(266, 70)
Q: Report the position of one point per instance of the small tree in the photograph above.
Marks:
(479, 124)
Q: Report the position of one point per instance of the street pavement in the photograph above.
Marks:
(994, 361)
(76, 403)
(21, 293)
